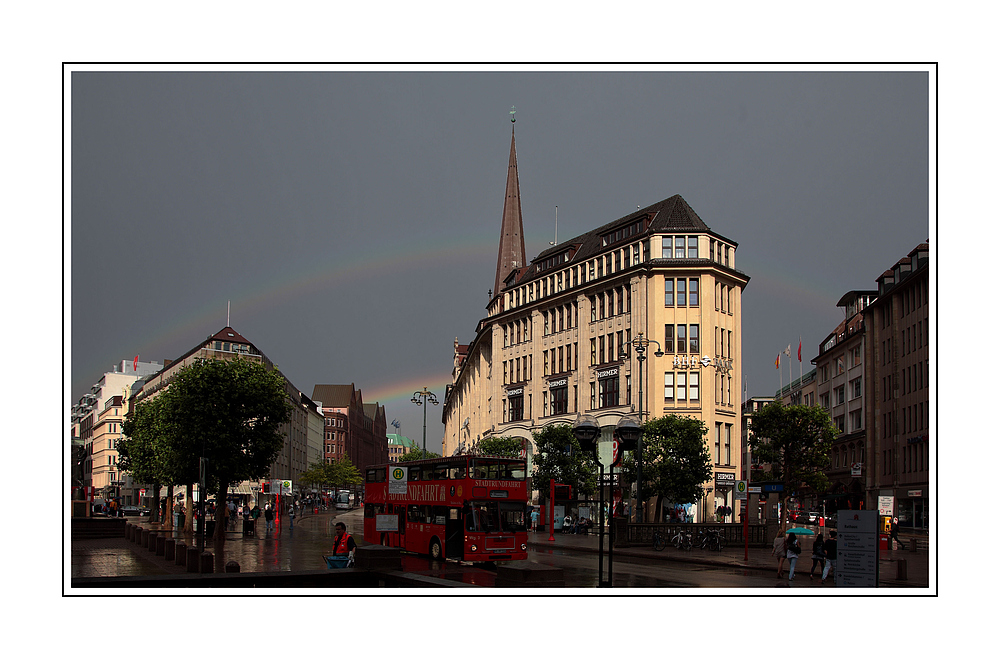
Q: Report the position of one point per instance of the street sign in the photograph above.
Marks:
(397, 480)
(885, 505)
(740, 491)
(773, 487)
(754, 489)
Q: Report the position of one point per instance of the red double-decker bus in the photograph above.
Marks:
(469, 508)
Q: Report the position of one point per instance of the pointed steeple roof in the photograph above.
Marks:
(510, 256)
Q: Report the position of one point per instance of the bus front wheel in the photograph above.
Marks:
(435, 550)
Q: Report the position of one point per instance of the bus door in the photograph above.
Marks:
(454, 534)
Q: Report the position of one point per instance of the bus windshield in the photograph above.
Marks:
(494, 516)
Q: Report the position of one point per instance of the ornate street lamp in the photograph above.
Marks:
(587, 430)
(639, 344)
(427, 397)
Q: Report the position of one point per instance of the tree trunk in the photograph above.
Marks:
(168, 523)
(154, 514)
(221, 520)
(189, 509)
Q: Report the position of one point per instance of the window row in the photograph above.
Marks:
(681, 386)
(612, 302)
(681, 339)
(560, 359)
(603, 348)
(560, 318)
(719, 252)
(515, 332)
(847, 455)
(723, 444)
(623, 233)
(595, 268)
(680, 292)
(517, 369)
(724, 298)
(606, 392)
(556, 401)
(915, 337)
(680, 247)
(913, 458)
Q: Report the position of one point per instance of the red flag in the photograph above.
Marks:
(800, 349)
(135, 363)
(777, 361)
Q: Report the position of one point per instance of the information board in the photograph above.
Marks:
(857, 549)
(386, 523)
(397, 480)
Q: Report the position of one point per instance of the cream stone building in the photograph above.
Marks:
(560, 333)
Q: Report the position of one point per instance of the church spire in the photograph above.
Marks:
(511, 253)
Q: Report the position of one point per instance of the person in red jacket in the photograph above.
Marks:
(343, 543)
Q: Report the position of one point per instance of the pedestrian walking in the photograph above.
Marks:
(830, 551)
(894, 531)
(778, 550)
(818, 556)
(268, 518)
(291, 517)
(792, 550)
(534, 519)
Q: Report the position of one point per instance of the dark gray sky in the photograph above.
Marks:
(352, 219)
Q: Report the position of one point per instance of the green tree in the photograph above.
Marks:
(417, 454)
(508, 447)
(559, 457)
(342, 473)
(675, 460)
(230, 412)
(793, 442)
(143, 445)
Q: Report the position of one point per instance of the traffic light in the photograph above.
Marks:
(265, 487)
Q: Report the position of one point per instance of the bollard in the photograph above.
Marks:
(152, 541)
(205, 560)
(128, 529)
(142, 539)
(180, 554)
(192, 559)
(901, 569)
(161, 543)
(169, 547)
(232, 566)
(913, 544)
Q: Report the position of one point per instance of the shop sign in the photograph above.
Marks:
(724, 479)
(515, 392)
(914, 493)
(693, 361)
(557, 383)
(608, 373)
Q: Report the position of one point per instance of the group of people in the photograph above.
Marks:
(578, 525)
(824, 554)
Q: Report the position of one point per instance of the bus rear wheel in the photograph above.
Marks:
(435, 549)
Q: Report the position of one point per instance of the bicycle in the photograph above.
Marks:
(659, 541)
(682, 540)
(712, 540)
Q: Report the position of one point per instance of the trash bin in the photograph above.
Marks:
(883, 542)
(248, 527)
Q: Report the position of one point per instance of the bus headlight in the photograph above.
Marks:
(473, 548)
(524, 547)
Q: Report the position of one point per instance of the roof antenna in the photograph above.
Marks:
(556, 237)
(227, 313)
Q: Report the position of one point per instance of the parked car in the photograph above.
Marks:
(813, 516)
(135, 511)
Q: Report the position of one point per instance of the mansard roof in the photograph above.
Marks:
(671, 214)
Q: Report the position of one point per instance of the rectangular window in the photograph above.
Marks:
(668, 247)
(516, 408)
(681, 296)
(608, 392)
(668, 338)
(682, 386)
(693, 386)
(682, 338)
(668, 293)
(559, 400)
(855, 388)
(693, 343)
(692, 247)
(693, 292)
(668, 386)
(679, 247)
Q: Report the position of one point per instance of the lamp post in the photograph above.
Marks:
(586, 430)
(427, 397)
(639, 344)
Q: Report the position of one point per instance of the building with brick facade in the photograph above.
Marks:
(351, 426)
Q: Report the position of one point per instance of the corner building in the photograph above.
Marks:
(555, 342)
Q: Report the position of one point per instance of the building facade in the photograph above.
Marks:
(399, 445)
(899, 450)
(96, 421)
(557, 339)
(841, 372)
(302, 441)
(352, 427)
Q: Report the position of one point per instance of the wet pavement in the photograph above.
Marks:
(303, 546)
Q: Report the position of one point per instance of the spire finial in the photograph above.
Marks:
(512, 111)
